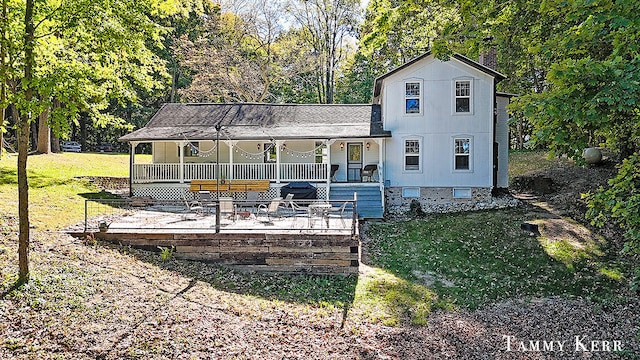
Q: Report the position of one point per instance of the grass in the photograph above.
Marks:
(56, 189)
(470, 259)
(524, 161)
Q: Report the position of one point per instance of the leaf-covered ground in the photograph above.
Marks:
(97, 301)
(458, 286)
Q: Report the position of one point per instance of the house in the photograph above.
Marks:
(435, 132)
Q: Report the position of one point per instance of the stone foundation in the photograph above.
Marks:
(441, 200)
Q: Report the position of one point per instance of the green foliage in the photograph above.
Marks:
(166, 253)
(355, 84)
(592, 93)
(621, 203)
(395, 32)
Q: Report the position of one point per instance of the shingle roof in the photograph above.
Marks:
(245, 121)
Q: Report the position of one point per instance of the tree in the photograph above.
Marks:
(232, 60)
(325, 25)
(592, 95)
(394, 32)
(68, 53)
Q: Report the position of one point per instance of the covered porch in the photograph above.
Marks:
(279, 161)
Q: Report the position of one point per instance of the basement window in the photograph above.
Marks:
(462, 193)
(410, 192)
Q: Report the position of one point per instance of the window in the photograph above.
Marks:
(269, 152)
(412, 155)
(462, 193)
(191, 149)
(463, 96)
(320, 152)
(462, 151)
(412, 98)
(412, 192)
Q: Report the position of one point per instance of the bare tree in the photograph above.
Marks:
(234, 60)
(326, 24)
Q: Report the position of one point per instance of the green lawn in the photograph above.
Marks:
(57, 192)
(470, 259)
(523, 161)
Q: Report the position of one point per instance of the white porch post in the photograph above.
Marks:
(328, 144)
(231, 144)
(278, 150)
(381, 169)
(181, 145)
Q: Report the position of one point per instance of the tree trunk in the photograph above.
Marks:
(44, 133)
(23, 146)
(83, 131)
(33, 134)
(2, 112)
(3, 72)
(55, 142)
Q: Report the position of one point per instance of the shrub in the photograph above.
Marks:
(621, 203)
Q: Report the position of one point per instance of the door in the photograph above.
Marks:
(354, 161)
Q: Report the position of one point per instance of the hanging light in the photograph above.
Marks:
(341, 146)
(368, 145)
(258, 147)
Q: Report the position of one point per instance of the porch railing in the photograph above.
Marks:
(143, 173)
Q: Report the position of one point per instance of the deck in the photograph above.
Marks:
(290, 242)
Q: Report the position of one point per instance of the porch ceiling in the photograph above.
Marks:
(261, 121)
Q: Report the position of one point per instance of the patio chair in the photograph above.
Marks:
(192, 207)
(368, 171)
(271, 209)
(205, 200)
(334, 170)
(338, 213)
(227, 207)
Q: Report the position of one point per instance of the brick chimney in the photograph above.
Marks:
(489, 58)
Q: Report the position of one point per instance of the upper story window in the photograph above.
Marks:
(412, 154)
(412, 97)
(461, 153)
(463, 93)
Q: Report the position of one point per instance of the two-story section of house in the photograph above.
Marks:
(436, 132)
(449, 142)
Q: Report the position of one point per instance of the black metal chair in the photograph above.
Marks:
(334, 170)
(368, 171)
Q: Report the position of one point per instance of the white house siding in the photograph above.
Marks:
(436, 127)
(502, 138)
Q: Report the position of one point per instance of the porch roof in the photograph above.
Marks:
(247, 121)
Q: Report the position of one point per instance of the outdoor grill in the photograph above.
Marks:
(300, 190)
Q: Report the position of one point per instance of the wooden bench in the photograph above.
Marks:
(230, 185)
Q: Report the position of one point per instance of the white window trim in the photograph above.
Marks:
(419, 97)
(454, 97)
(453, 153)
(404, 154)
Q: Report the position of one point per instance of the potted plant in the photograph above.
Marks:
(103, 226)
